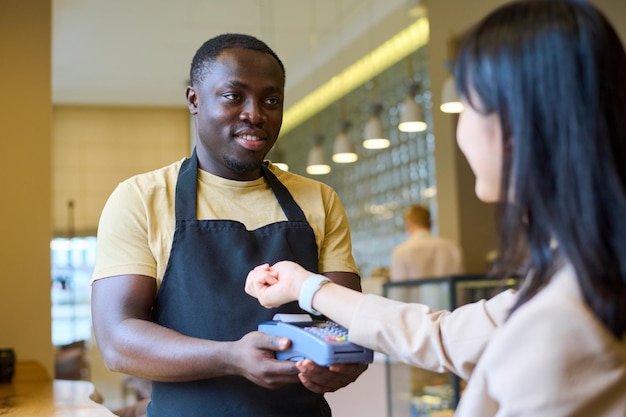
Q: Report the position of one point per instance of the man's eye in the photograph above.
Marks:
(273, 100)
(231, 96)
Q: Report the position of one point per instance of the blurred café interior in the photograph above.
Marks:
(93, 93)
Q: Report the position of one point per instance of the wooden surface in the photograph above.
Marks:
(32, 393)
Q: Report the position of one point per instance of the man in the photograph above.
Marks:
(175, 246)
(423, 255)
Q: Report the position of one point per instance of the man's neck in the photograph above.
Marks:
(416, 230)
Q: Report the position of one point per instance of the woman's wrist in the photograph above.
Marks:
(308, 288)
(300, 277)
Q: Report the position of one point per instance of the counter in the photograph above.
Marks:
(32, 393)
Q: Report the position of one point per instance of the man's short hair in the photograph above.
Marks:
(211, 49)
(418, 215)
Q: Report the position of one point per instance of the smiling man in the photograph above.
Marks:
(175, 246)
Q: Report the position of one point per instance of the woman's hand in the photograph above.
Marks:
(277, 284)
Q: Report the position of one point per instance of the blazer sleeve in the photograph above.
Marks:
(434, 340)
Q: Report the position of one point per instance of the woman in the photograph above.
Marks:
(544, 130)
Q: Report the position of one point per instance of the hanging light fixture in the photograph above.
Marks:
(450, 102)
(344, 149)
(277, 157)
(373, 134)
(411, 115)
(316, 162)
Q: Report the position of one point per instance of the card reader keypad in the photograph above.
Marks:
(331, 332)
(322, 341)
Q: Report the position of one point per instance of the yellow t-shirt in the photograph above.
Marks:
(137, 223)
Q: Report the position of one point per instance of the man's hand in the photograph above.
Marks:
(254, 358)
(257, 363)
(320, 379)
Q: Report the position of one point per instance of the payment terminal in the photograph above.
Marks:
(322, 341)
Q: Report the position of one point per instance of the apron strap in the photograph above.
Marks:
(292, 210)
(187, 191)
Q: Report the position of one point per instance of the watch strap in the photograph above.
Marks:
(308, 290)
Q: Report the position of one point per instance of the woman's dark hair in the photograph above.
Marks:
(210, 50)
(554, 72)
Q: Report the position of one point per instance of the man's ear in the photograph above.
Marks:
(192, 100)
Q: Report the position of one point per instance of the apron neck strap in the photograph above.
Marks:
(284, 197)
(187, 192)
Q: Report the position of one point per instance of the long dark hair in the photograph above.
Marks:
(555, 73)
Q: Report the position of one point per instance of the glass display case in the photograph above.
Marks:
(415, 392)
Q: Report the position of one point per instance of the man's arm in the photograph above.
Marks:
(132, 344)
(346, 279)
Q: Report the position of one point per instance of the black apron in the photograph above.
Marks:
(202, 295)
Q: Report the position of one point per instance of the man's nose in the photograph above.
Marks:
(252, 112)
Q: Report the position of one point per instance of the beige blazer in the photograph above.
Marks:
(552, 358)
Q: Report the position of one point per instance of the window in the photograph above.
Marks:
(72, 265)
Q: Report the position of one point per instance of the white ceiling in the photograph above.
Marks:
(137, 52)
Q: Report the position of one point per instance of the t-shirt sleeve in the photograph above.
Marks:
(336, 248)
(123, 246)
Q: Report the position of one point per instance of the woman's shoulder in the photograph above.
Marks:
(558, 312)
(557, 327)
(552, 341)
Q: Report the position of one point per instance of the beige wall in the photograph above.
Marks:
(25, 118)
(94, 148)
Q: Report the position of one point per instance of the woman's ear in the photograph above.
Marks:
(507, 146)
(507, 139)
(192, 100)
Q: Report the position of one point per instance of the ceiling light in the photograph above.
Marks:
(373, 134)
(450, 102)
(277, 157)
(316, 162)
(411, 117)
(394, 50)
(344, 149)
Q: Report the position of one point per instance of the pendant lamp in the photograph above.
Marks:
(411, 115)
(450, 102)
(344, 149)
(277, 157)
(373, 134)
(316, 162)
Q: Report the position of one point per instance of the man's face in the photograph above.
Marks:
(239, 109)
